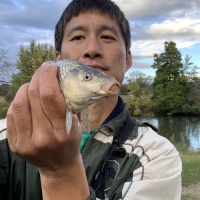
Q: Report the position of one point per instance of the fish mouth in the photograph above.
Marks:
(111, 86)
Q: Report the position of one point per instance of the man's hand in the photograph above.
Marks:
(36, 130)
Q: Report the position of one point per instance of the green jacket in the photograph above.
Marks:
(150, 168)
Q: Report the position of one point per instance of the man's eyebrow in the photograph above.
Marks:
(109, 28)
(103, 27)
(76, 28)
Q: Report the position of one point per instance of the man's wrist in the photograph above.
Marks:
(69, 181)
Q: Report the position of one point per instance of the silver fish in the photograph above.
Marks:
(82, 86)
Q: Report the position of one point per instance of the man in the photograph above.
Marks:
(46, 163)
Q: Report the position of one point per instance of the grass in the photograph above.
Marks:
(191, 169)
(188, 197)
(2, 99)
(190, 163)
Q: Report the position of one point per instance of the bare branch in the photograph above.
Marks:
(6, 67)
(5, 82)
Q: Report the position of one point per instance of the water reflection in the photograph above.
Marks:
(177, 128)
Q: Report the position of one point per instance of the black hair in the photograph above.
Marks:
(77, 7)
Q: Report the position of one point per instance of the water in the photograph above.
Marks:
(177, 129)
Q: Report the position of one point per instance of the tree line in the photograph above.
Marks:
(175, 89)
(29, 60)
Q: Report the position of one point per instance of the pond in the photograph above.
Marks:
(178, 129)
(185, 130)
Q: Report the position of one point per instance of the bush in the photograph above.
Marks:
(3, 112)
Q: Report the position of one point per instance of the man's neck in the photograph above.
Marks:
(101, 110)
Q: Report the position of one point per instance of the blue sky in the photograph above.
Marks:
(152, 23)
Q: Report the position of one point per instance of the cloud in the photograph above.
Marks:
(154, 9)
(38, 14)
(14, 37)
(179, 28)
(149, 38)
(152, 23)
(140, 65)
(26, 21)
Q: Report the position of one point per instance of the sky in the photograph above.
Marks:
(152, 23)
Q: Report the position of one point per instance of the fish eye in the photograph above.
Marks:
(87, 77)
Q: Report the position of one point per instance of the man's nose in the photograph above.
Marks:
(93, 49)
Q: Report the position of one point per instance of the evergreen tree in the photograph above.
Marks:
(29, 59)
(170, 85)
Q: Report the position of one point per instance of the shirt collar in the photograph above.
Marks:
(116, 111)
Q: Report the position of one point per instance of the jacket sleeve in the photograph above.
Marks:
(159, 177)
(3, 159)
(3, 179)
(2, 129)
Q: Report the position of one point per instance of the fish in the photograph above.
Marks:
(81, 86)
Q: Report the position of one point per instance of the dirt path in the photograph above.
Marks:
(191, 192)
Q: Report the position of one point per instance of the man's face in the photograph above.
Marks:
(97, 41)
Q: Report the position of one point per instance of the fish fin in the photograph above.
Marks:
(85, 119)
(68, 118)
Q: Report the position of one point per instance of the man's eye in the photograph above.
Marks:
(78, 37)
(107, 37)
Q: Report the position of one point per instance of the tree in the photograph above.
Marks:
(29, 59)
(6, 68)
(124, 89)
(4, 89)
(189, 69)
(140, 102)
(170, 85)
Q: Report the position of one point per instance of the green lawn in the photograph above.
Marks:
(191, 168)
(191, 164)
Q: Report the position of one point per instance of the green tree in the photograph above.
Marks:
(4, 89)
(29, 59)
(140, 102)
(170, 86)
(124, 89)
(194, 96)
(191, 72)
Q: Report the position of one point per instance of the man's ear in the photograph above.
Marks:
(57, 56)
(128, 60)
